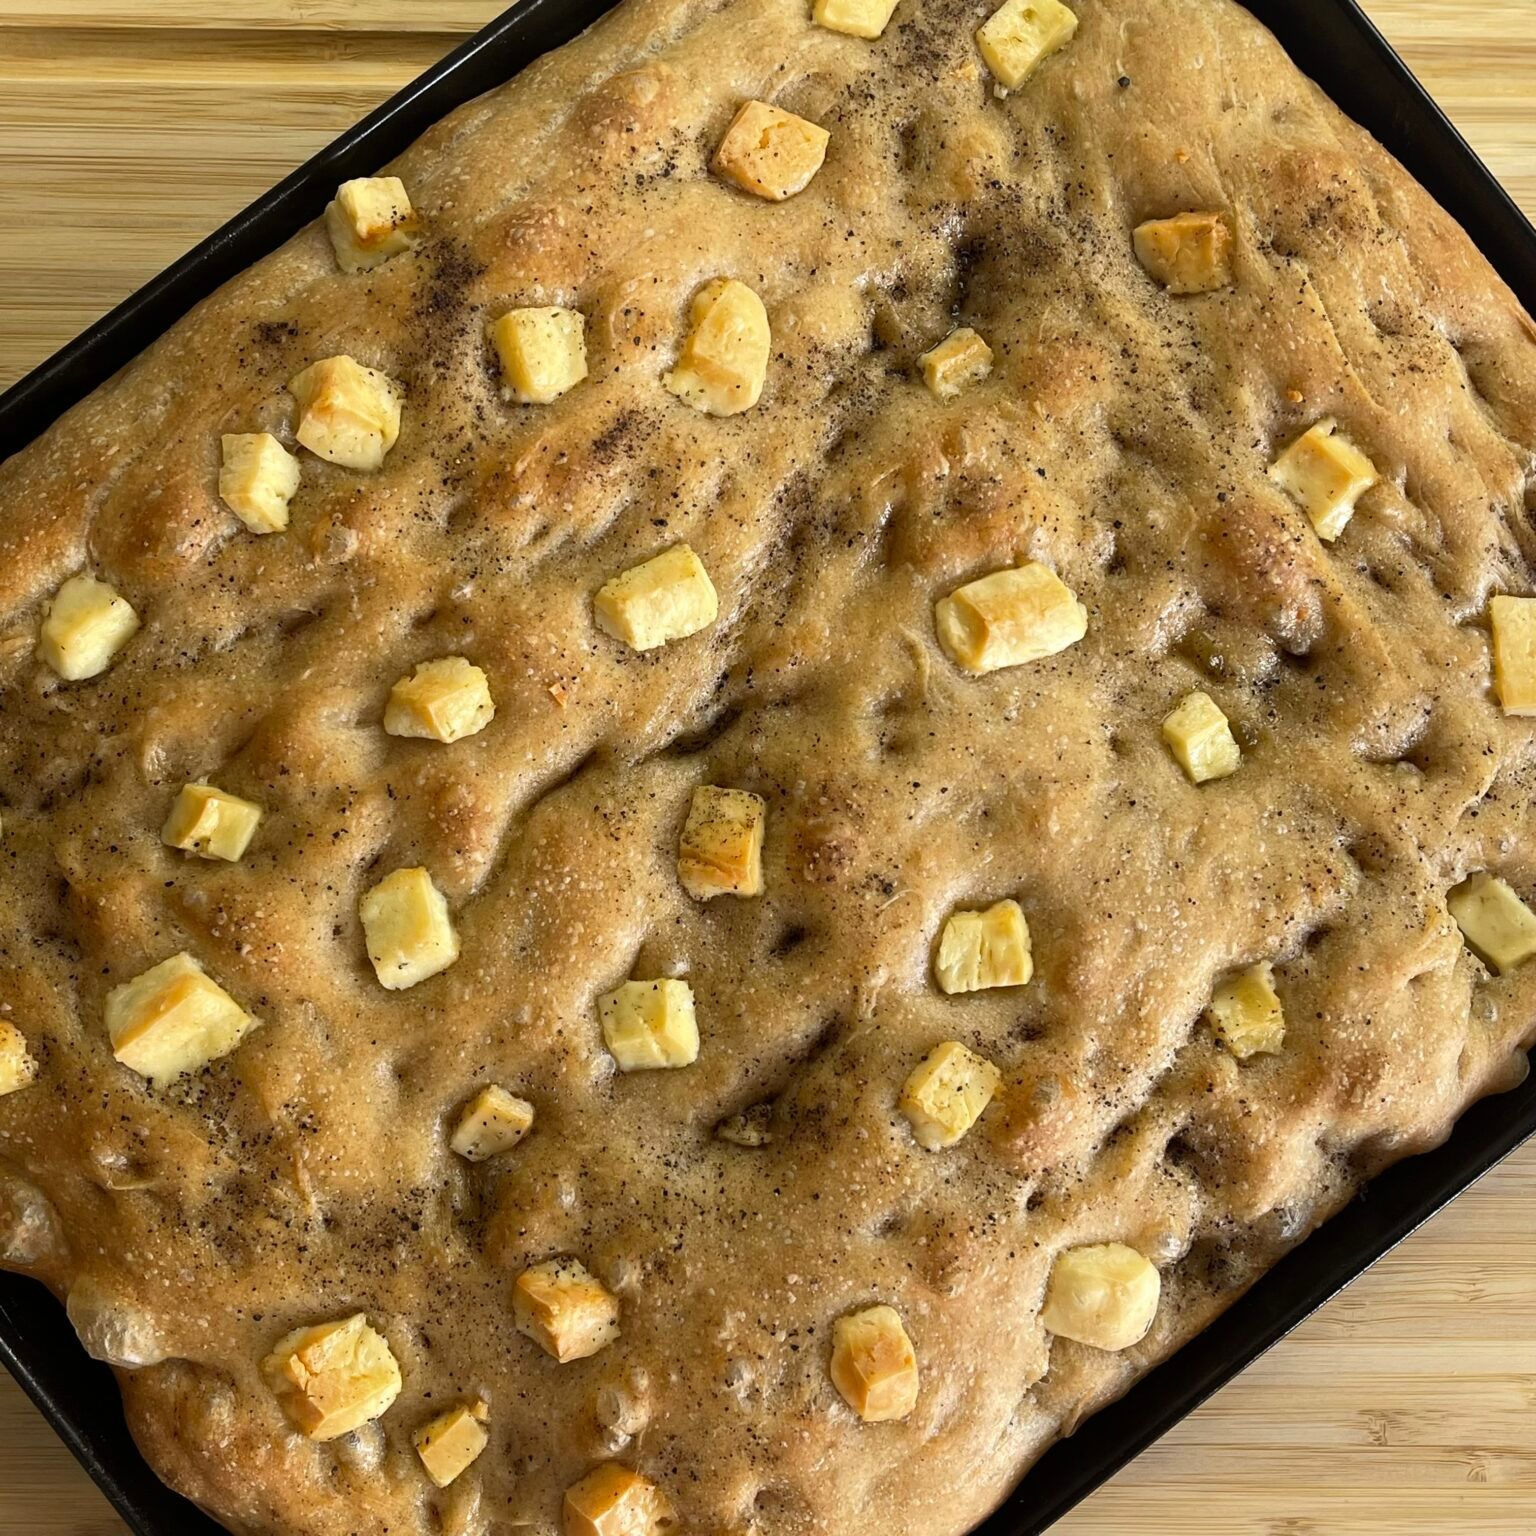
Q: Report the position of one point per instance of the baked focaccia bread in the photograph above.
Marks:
(731, 796)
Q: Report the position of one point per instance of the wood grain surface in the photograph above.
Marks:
(130, 128)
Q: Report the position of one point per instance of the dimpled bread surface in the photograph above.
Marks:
(1122, 440)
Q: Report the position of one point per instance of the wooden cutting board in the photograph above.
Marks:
(130, 128)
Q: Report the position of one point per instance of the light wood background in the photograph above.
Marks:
(130, 128)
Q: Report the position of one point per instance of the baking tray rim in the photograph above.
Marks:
(36, 1344)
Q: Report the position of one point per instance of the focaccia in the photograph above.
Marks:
(736, 792)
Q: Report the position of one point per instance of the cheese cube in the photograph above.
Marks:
(257, 479)
(407, 929)
(334, 1377)
(543, 352)
(946, 1094)
(668, 597)
(86, 625)
(1201, 740)
(1189, 253)
(347, 414)
(770, 152)
(721, 852)
(1016, 38)
(984, 949)
(492, 1122)
(370, 220)
(173, 1019)
(1104, 1295)
(450, 1442)
(1499, 928)
(211, 823)
(962, 358)
(724, 361)
(650, 1024)
(564, 1310)
(855, 18)
(611, 1500)
(1246, 1015)
(1008, 618)
(17, 1067)
(874, 1366)
(443, 700)
(1325, 474)
(1513, 623)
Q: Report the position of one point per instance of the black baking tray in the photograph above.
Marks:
(1334, 43)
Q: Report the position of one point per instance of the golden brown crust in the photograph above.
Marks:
(1122, 438)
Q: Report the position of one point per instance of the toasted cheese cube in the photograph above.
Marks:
(721, 852)
(1201, 740)
(854, 18)
(984, 949)
(611, 1500)
(173, 1019)
(724, 361)
(347, 414)
(770, 152)
(17, 1067)
(1019, 36)
(1008, 618)
(211, 823)
(650, 1024)
(1104, 1295)
(962, 358)
(1498, 927)
(1189, 253)
(1513, 622)
(333, 1377)
(1325, 474)
(407, 929)
(450, 1442)
(543, 352)
(667, 597)
(86, 625)
(257, 479)
(443, 700)
(564, 1310)
(370, 220)
(874, 1365)
(1246, 1015)
(946, 1094)
(493, 1121)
